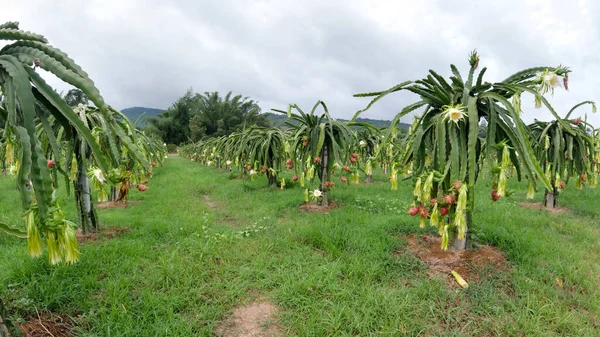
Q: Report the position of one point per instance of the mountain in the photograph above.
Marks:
(280, 119)
(275, 118)
(134, 112)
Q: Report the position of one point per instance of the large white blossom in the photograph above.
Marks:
(454, 113)
(99, 175)
(548, 81)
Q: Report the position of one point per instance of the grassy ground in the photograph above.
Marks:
(202, 243)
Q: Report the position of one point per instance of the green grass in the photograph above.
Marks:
(185, 265)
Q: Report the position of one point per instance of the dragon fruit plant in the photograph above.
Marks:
(566, 149)
(445, 151)
(318, 140)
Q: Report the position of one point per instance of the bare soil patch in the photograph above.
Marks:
(312, 207)
(539, 206)
(234, 222)
(256, 319)
(108, 233)
(210, 203)
(118, 204)
(217, 206)
(468, 263)
(47, 324)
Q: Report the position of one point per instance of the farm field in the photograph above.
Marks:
(196, 252)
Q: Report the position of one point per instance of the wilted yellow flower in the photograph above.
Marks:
(548, 172)
(593, 180)
(530, 191)
(54, 253)
(310, 174)
(459, 280)
(516, 101)
(390, 151)
(445, 238)
(9, 153)
(501, 190)
(355, 178)
(368, 167)
(418, 191)
(435, 216)
(70, 242)
(34, 243)
(538, 101)
(394, 178)
(506, 163)
(460, 221)
(427, 187)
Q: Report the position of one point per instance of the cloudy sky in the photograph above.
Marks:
(148, 53)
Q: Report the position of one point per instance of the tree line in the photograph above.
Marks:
(196, 116)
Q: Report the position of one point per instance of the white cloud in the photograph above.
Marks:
(278, 52)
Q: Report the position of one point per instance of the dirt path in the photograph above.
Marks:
(256, 319)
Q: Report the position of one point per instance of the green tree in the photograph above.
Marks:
(197, 128)
(222, 115)
(173, 123)
(74, 97)
(195, 116)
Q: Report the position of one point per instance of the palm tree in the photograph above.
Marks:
(173, 123)
(221, 115)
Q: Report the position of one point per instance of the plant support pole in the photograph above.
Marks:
(324, 175)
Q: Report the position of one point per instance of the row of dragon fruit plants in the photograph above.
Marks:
(447, 148)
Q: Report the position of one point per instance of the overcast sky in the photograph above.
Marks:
(148, 53)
